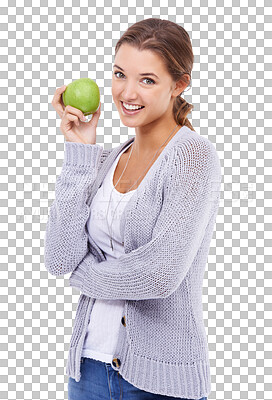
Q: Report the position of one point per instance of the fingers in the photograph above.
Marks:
(69, 118)
(57, 102)
(78, 114)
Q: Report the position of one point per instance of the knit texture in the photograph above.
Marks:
(167, 227)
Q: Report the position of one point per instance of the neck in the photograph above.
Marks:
(148, 140)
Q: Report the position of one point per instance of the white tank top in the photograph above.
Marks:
(105, 319)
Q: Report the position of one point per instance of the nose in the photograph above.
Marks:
(129, 92)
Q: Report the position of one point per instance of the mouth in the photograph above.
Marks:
(130, 112)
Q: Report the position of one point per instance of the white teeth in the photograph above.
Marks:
(131, 107)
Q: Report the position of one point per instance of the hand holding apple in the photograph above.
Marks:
(72, 127)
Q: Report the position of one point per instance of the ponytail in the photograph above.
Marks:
(180, 110)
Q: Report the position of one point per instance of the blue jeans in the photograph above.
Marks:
(99, 381)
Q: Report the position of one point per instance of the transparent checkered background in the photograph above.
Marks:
(52, 43)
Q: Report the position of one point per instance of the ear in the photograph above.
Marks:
(181, 85)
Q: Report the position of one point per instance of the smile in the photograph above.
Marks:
(130, 111)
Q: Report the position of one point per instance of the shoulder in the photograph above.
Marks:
(197, 150)
(192, 144)
(195, 157)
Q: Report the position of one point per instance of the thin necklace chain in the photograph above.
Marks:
(110, 228)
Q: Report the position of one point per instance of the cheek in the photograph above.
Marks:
(163, 99)
(115, 91)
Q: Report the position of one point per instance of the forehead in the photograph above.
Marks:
(131, 59)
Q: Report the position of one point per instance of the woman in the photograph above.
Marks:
(133, 224)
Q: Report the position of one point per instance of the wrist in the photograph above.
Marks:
(71, 141)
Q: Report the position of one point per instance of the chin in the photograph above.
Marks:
(129, 124)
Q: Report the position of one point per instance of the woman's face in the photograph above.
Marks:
(133, 83)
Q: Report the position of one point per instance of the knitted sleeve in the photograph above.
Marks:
(66, 237)
(156, 269)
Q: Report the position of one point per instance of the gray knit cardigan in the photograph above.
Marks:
(166, 228)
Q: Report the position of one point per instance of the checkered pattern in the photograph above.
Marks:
(52, 43)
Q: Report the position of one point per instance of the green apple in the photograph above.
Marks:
(82, 94)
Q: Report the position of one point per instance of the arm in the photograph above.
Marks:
(156, 269)
(66, 237)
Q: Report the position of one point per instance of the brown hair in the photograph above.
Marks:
(172, 43)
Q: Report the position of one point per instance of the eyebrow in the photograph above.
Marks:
(146, 73)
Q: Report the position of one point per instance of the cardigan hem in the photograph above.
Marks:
(191, 380)
(153, 377)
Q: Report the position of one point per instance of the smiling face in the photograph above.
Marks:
(133, 84)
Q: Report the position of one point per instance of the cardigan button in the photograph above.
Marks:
(123, 320)
(116, 362)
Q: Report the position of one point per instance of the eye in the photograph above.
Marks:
(118, 72)
(148, 79)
